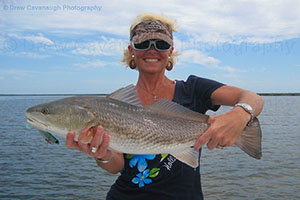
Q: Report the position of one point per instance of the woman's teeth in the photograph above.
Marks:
(151, 60)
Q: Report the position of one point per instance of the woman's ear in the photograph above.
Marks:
(171, 51)
(130, 49)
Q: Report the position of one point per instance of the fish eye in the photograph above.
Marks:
(45, 111)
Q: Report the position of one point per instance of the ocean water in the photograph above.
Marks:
(32, 169)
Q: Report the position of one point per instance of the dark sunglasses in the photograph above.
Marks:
(159, 45)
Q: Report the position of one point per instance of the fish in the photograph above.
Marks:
(163, 127)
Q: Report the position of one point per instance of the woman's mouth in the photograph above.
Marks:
(152, 60)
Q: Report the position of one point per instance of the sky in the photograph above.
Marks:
(75, 47)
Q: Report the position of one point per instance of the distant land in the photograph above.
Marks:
(262, 94)
(279, 94)
(53, 94)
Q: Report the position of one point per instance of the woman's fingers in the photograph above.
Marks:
(224, 130)
(96, 141)
(105, 143)
(102, 150)
(70, 140)
(206, 136)
(98, 147)
(83, 133)
(83, 146)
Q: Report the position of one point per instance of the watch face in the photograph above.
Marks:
(248, 107)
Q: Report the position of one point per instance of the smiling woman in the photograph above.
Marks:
(127, 59)
(164, 176)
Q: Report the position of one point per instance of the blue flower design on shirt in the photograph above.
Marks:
(142, 179)
(140, 161)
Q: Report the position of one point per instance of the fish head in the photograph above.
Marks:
(59, 118)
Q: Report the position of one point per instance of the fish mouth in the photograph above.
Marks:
(36, 123)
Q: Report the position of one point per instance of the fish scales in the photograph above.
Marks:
(162, 127)
(142, 128)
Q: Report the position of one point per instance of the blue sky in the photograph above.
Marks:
(76, 46)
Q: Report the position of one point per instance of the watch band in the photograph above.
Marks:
(104, 161)
(248, 109)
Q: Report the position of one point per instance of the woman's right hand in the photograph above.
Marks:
(98, 147)
(112, 162)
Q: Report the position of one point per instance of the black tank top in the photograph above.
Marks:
(162, 176)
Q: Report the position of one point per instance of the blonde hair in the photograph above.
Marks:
(150, 16)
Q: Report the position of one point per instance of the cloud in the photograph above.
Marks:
(34, 38)
(30, 55)
(17, 74)
(32, 46)
(39, 39)
(234, 21)
(97, 64)
(107, 47)
(39, 46)
(199, 58)
(261, 21)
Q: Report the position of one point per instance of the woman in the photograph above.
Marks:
(151, 52)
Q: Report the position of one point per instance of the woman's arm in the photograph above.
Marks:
(225, 129)
(229, 96)
(113, 162)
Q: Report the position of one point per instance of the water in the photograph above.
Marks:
(32, 169)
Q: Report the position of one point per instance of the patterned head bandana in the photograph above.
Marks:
(151, 29)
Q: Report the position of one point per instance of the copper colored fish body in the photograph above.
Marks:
(162, 127)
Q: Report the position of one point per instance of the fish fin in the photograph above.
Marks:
(189, 157)
(250, 140)
(127, 94)
(167, 107)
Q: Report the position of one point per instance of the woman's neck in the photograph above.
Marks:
(153, 87)
(151, 83)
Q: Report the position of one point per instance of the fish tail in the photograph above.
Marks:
(250, 140)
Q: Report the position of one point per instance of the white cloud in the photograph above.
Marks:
(199, 58)
(34, 38)
(17, 74)
(36, 46)
(32, 46)
(39, 39)
(97, 64)
(93, 49)
(30, 55)
(107, 47)
(210, 21)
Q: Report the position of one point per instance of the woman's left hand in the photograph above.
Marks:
(224, 129)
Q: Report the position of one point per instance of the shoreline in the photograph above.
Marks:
(279, 94)
(261, 94)
(20, 95)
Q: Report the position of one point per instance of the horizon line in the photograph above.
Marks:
(102, 94)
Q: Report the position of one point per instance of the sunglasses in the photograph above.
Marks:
(159, 45)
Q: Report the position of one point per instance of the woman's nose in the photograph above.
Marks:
(152, 46)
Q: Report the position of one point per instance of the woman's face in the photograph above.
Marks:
(151, 60)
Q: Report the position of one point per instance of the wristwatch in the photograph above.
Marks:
(248, 109)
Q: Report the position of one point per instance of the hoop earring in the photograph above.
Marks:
(132, 64)
(169, 67)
